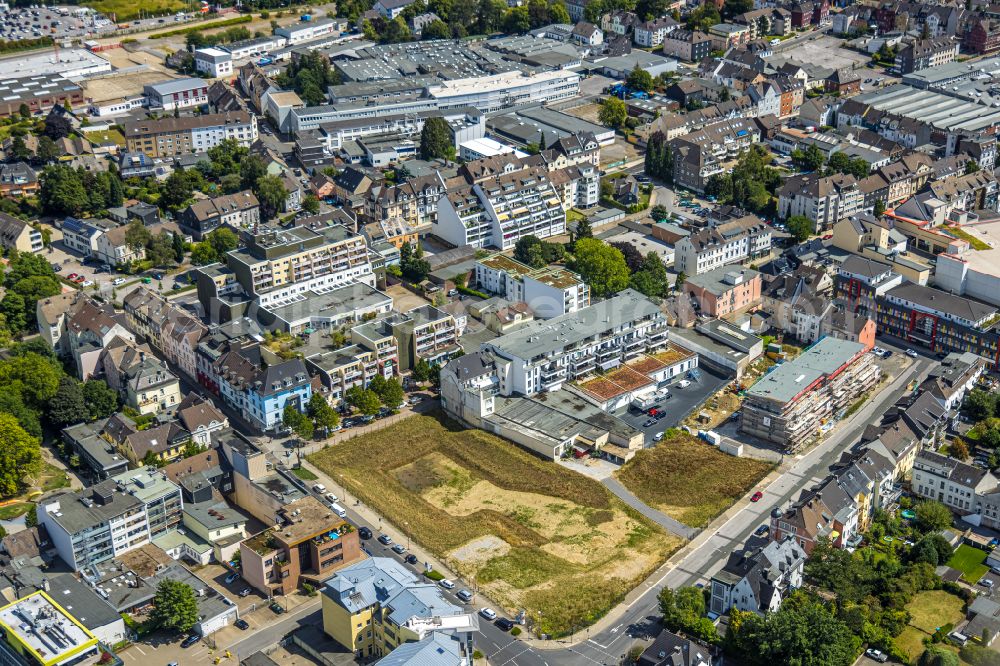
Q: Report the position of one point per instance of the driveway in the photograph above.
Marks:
(661, 519)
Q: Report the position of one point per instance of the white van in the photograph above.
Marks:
(339, 510)
(319, 488)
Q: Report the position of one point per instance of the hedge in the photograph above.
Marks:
(203, 26)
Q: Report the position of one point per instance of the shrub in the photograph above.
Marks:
(434, 575)
(516, 631)
(477, 655)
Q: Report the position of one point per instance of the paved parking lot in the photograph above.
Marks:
(681, 403)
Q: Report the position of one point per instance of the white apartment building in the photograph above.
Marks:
(732, 242)
(544, 355)
(953, 483)
(248, 48)
(113, 517)
(651, 33)
(498, 211)
(825, 200)
(213, 61)
(176, 94)
(549, 291)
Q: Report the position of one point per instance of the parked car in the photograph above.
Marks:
(245, 592)
(648, 423)
(657, 437)
(756, 496)
(87, 283)
(504, 624)
(411, 559)
(762, 530)
(464, 595)
(277, 608)
(876, 655)
(399, 549)
(684, 383)
(232, 578)
(986, 582)
(488, 613)
(319, 488)
(190, 640)
(242, 624)
(72, 276)
(118, 281)
(80, 278)
(385, 540)
(330, 497)
(447, 584)
(911, 353)
(364, 533)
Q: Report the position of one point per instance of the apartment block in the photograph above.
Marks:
(724, 290)
(113, 517)
(758, 580)
(18, 235)
(686, 45)
(213, 61)
(544, 355)
(239, 211)
(650, 34)
(744, 238)
(424, 333)
(924, 53)
(176, 94)
(414, 201)
(342, 369)
(790, 403)
(861, 283)
(825, 200)
(549, 291)
(308, 546)
(955, 484)
(701, 154)
(166, 137)
(498, 211)
(374, 607)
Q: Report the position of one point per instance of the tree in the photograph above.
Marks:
(528, 250)
(323, 415)
(612, 113)
(137, 236)
(582, 230)
(177, 189)
(958, 449)
(651, 279)
(879, 208)
(174, 606)
(421, 371)
(62, 191)
(800, 227)
(296, 421)
(223, 240)
(435, 140)
(633, 258)
(810, 159)
(640, 79)
(601, 266)
(203, 253)
(100, 399)
(647, 10)
(34, 376)
(936, 655)
(364, 400)
(271, 194)
(980, 405)
(436, 29)
(160, 250)
(20, 455)
(659, 213)
(979, 655)
(67, 406)
(31, 517)
(933, 549)
(310, 204)
(177, 243)
(972, 166)
(19, 150)
(683, 609)
(252, 169)
(389, 391)
(48, 150)
(734, 7)
(932, 516)
(57, 126)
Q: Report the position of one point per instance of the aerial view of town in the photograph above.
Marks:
(499, 333)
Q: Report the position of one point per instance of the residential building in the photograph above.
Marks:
(790, 403)
(953, 378)
(955, 484)
(799, 304)
(727, 36)
(549, 291)
(982, 37)
(176, 94)
(272, 388)
(650, 34)
(701, 154)
(311, 544)
(111, 518)
(414, 201)
(81, 235)
(861, 283)
(586, 34)
(744, 238)
(201, 418)
(921, 54)
(342, 369)
(758, 579)
(238, 211)
(424, 333)
(213, 61)
(687, 45)
(141, 379)
(543, 355)
(669, 649)
(18, 179)
(379, 608)
(824, 200)
(168, 136)
(724, 290)
(19, 235)
(115, 251)
(89, 327)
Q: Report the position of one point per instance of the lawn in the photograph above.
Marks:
(928, 611)
(975, 243)
(530, 533)
(970, 561)
(126, 9)
(690, 480)
(304, 474)
(13, 510)
(105, 136)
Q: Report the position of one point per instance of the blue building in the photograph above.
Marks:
(274, 387)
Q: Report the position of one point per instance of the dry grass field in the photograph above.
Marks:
(528, 533)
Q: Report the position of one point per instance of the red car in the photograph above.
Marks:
(756, 496)
(653, 411)
(80, 278)
(71, 276)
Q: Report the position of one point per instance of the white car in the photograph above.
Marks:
(876, 655)
(118, 281)
(330, 497)
(319, 488)
(87, 283)
(911, 353)
(447, 584)
(657, 437)
(488, 613)
(683, 383)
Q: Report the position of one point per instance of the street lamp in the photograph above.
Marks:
(406, 528)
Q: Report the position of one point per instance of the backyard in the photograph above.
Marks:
(928, 611)
(528, 533)
(688, 479)
(970, 561)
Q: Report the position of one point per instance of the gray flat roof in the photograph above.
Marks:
(540, 338)
(340, 301)
(789, 379)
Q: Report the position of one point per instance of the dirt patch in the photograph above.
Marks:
(478, 552)
(588, 112)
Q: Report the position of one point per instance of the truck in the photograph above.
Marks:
(710, 436)
(306, 18)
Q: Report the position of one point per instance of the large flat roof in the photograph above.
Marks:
(45, 629)
(789, 379)
(934, 108)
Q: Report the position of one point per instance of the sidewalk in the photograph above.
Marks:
(661, 519)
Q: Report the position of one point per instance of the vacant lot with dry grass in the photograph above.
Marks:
(688, 479)
(531, 534)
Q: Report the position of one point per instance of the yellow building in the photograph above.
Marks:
(39, 631)
(374, 606)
